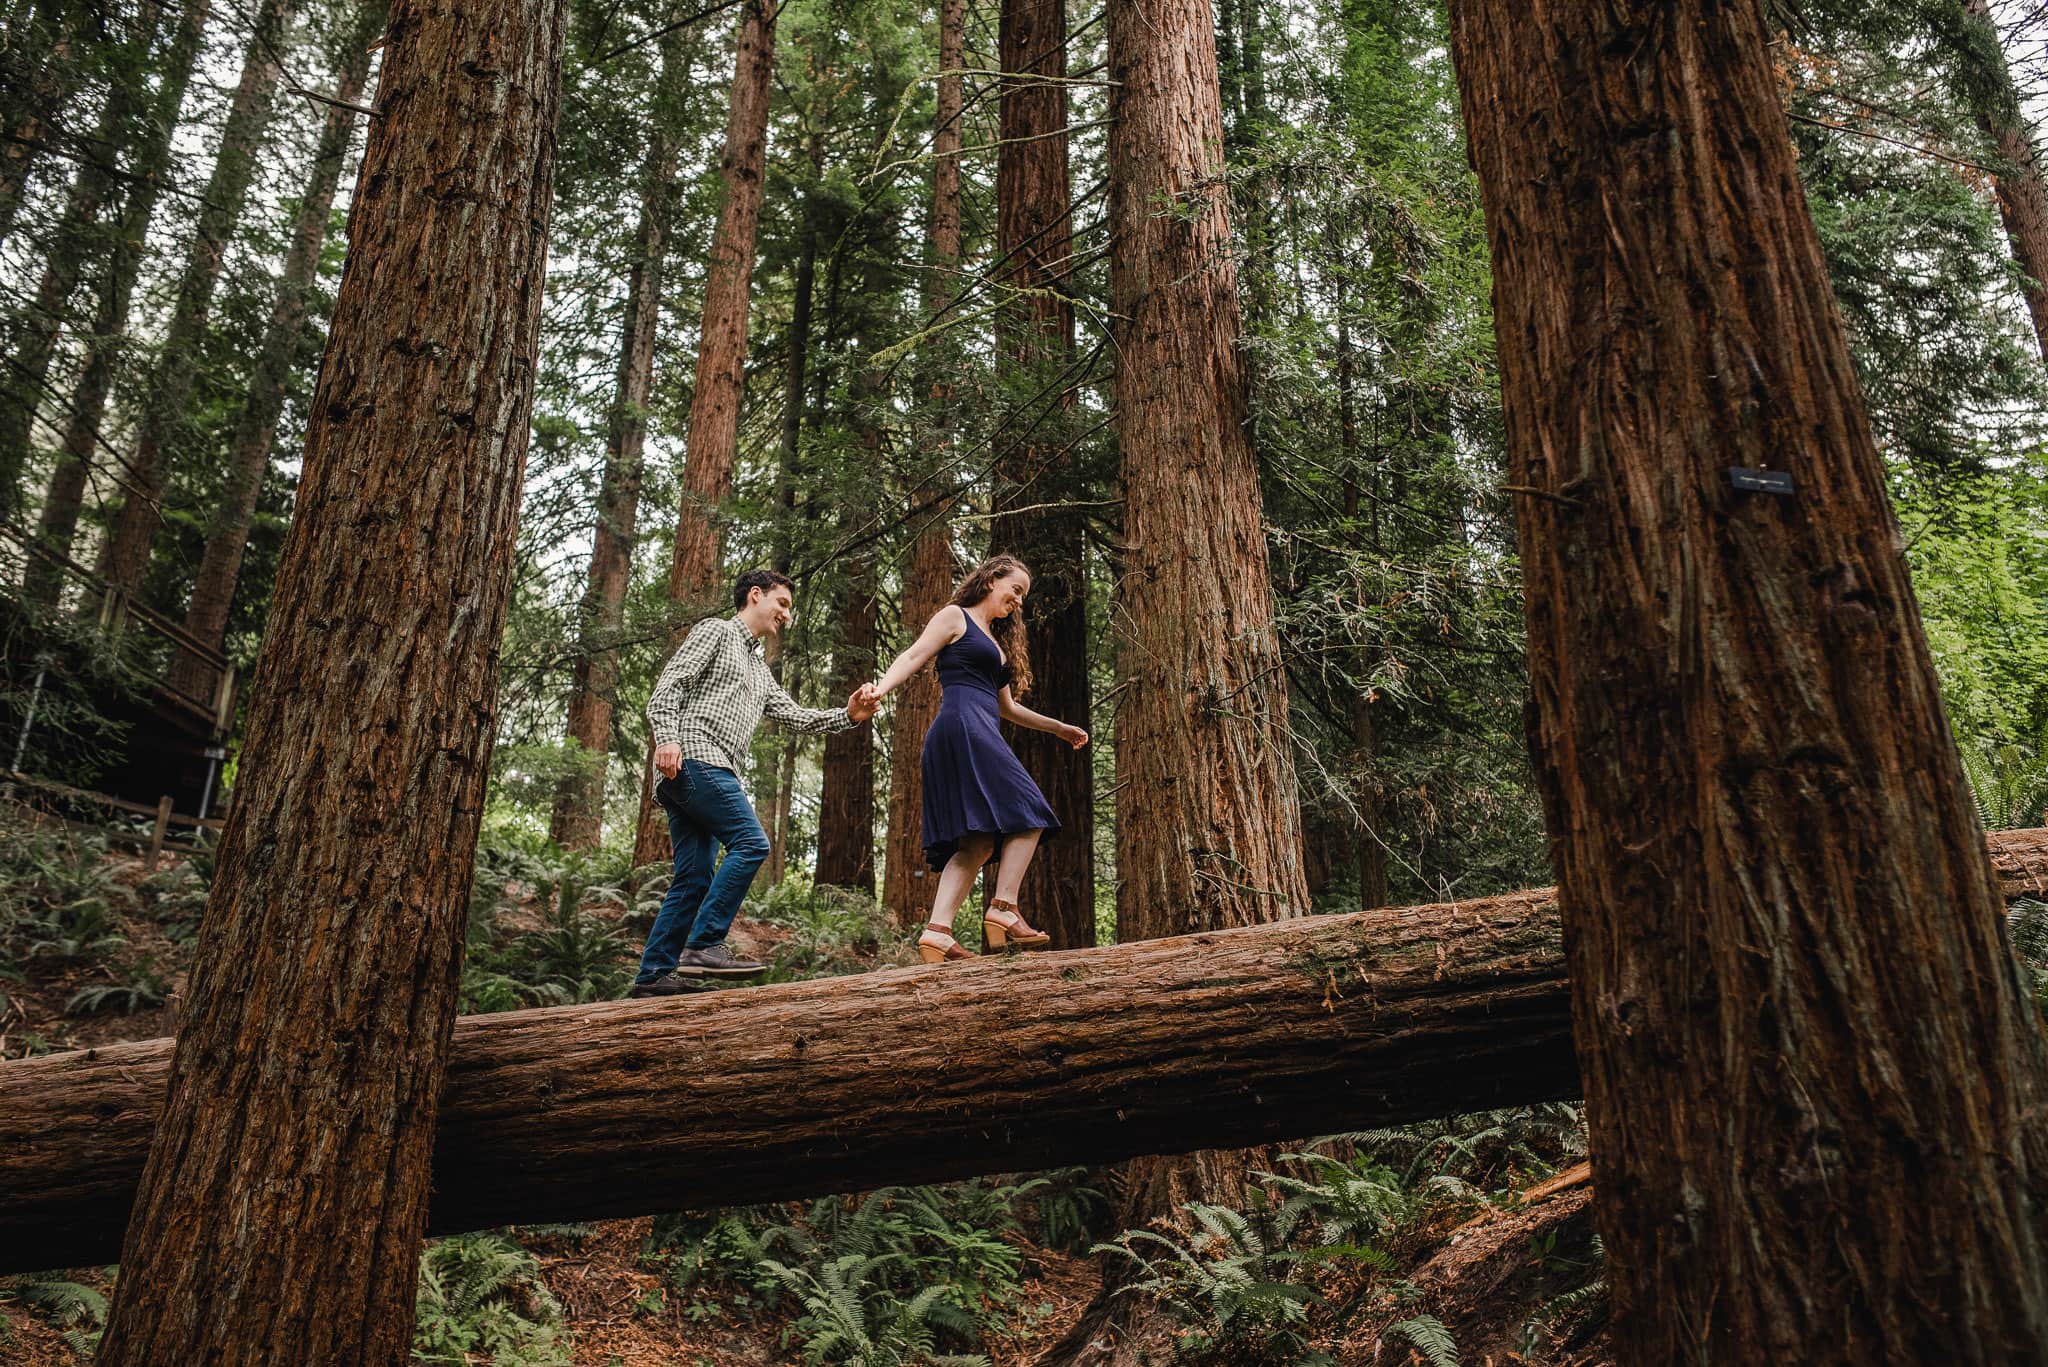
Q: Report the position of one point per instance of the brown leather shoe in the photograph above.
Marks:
(1004, 926)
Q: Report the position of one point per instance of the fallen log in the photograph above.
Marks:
(910, 1075)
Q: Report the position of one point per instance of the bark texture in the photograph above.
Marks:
(72, 242)
(1808, 1054)
(713, 440)
(1035, 338)
(846, 807)
(722, 347)
(2022, 197)
(168, 400)
(1209, 831)
(930, 567)
(1210, 836)
(1282, 1030)
(578, 820)
(279, 1215)
(114, 292)
(287, 341)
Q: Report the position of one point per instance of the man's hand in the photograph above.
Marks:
(668, 758)
(864, 703)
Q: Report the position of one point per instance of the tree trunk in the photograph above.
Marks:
(166, 406)
(578, 821)
(284, 350)
(1808, 1054)
(2022, 198)
(846, 806)
(930, 567)
(713, 441)
(279, 1216)
(1372, 853)
(1209, 831)
(1268, 1033)
(1213, 837)
(71, 243)
(722, 347)
(40, 77)
(57, 523)
(1035, 339)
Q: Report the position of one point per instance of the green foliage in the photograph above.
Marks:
(60, 896)
(481, 1299)
(1231, 1279)
(140, 988)
(888, 1278)
(1429, 1335)
(2028, 922)
(75, 1310)
(831, 930)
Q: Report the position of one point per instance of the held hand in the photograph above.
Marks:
(668, 759)
(864, 703)
(1073, 735)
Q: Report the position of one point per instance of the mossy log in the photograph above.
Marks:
(910, 1075)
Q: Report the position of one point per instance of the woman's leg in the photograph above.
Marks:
(958, 877)
(1016, 858)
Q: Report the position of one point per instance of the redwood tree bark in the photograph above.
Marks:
(1987, 87)
(280, 1214)
(1035, 339)
(578, 821)
(1808, 1055)
(930, 567)
(57, 523)
(1209, 821)
(284, 350)
(166, 404)
(846, 805)
(1210, 830)
(1271, 1032)
(71, 244)
(713, 440)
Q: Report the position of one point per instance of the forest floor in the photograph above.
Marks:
(1481, 1247)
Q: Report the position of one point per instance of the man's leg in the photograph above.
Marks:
(695, 850)
(717, 805)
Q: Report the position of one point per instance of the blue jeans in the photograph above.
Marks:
(706, 809)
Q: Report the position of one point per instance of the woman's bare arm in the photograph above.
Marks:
(1018, 714)
(947, 625)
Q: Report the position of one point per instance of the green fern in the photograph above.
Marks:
(2009, 782)
(482, 1294)
(1429, 1336)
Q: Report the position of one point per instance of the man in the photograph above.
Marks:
(710, 697)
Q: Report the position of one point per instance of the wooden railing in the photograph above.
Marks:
(162, 817)
(183, 670)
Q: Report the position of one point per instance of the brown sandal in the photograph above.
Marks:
(936, 945)
(1004, 926)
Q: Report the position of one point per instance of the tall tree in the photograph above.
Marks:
(38, 75)
(165, 412)
(280, 1215)
(283, 351)
(114, 291)
(71, 243)
(846, 810)
(579, 804)
(930, 567)
(1984, 82)
(1209, 831)
(713, 440)
(1807, 1052)
(1038, 484)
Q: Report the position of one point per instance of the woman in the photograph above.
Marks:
(977, 797)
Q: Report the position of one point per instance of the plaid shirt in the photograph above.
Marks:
(712, 694)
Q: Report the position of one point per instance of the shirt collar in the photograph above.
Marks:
(754, 643)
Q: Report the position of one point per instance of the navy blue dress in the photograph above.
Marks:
(973, 782)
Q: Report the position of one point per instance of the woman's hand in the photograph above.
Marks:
(1072, 735)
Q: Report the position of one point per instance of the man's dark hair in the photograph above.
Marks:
(764, 580)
